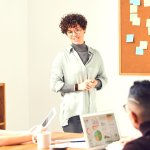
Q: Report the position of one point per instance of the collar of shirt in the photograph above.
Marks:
(145, 128)
(70, 49)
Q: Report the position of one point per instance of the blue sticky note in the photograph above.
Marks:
(139, 51)
(135, 2)
(129, 38)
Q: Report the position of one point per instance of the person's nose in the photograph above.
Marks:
(74, 33)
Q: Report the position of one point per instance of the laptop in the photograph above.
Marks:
(46, 121)
(99, 129)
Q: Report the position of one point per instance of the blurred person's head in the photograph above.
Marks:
(138, 104)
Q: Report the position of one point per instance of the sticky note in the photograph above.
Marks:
(146, 3)
(139, 51)
(143, 44)
(148, 31)
(133, 9)
(147, 22)
(129, 38)
(136, 21)
(135, 2)
(133, 16)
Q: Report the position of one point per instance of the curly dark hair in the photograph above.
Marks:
(72, 20)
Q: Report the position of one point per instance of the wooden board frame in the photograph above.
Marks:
(129, 62)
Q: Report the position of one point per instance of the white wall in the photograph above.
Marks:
(45, 40)
(14, 61)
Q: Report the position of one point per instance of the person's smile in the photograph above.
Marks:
(76, 35)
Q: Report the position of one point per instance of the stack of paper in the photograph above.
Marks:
(72, 143)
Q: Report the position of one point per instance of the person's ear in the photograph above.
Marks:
(134, 119)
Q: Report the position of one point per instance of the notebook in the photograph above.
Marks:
(99, 129)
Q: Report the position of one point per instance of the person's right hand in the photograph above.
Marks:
(85, 86)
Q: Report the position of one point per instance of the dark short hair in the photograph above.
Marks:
(72, 20)
(140, 91)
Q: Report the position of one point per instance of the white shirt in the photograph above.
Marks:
(68, 68)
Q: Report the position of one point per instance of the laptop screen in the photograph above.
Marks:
(100, 129)
(47, 120)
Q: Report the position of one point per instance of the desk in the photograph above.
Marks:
(55, 136)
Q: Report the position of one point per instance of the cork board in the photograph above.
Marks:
(132, 62)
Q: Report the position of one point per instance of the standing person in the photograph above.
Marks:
(77, 72)
(138, 109)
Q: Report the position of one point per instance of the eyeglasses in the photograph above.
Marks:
(125, 107)
(76, 31)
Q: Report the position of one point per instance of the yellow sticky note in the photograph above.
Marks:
(143, 44)
(148, 31)
(147, 22)
(146, 3)
(136, 21)
(133, 16)
(133, 8)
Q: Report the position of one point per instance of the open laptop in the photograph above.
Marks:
(99, 129)
(46, 121)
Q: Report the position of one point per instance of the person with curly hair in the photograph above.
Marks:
(77, 72)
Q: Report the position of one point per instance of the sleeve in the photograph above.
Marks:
(57, 83)
(131, 146)
(101, 76)
(56, 76)
(99, 84)
(67, 88)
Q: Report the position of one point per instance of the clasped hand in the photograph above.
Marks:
(87, 85)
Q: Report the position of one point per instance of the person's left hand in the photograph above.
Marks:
(92, 83)
(87, 85)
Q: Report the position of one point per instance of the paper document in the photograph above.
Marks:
(70, 144)
(71, 140)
